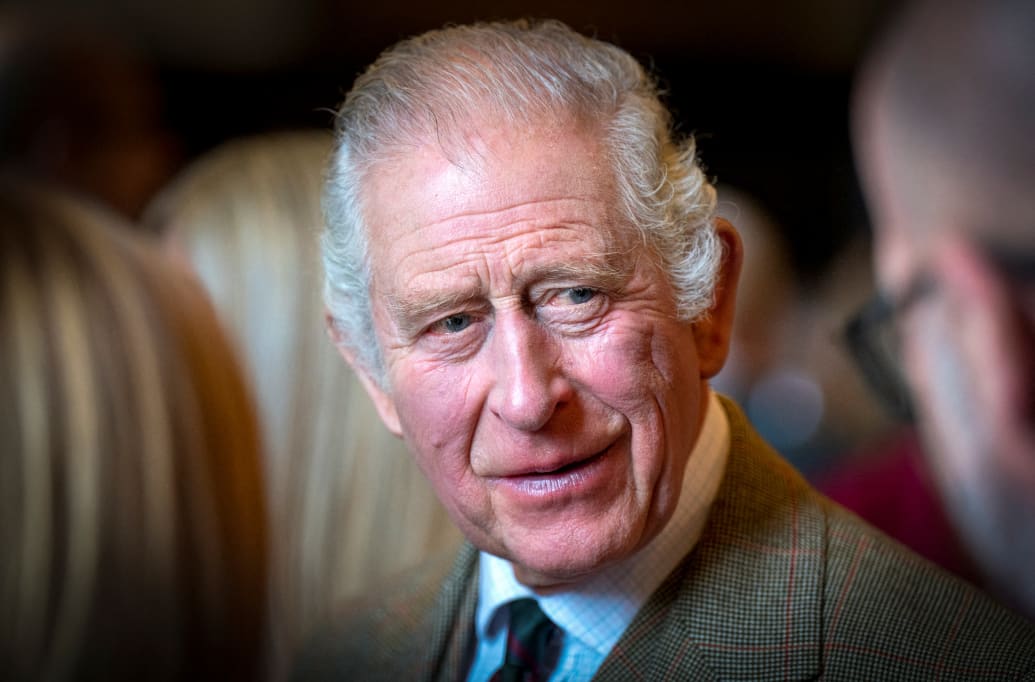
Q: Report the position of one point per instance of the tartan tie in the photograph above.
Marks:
(530, 657)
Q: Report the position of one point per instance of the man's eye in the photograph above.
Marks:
(574, 309)
(454, 323)
(579, 295)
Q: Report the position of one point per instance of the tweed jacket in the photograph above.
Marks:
(783, 585)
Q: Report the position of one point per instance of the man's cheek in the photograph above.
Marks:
(943, 393)
(612, 364)
(426, 393)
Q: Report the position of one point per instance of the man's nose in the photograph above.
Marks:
(530, 384)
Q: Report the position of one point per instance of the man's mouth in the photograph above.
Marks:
(547, 480)
(563, 469)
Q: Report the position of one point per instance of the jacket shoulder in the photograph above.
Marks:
(830, 593)
(885, 602)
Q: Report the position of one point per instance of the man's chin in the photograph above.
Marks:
(546, 576)
(548, 580)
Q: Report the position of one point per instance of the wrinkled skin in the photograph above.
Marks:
(534, 362)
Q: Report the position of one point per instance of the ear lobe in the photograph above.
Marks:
(712, 331)
(382, 400)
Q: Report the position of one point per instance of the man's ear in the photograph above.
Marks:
(713, 330)
(382, 399)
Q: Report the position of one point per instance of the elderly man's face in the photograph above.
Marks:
(535, 365)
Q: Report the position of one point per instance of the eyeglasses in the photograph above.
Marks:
(875, 346)
(872, 333)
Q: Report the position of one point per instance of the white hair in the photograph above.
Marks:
(433, 85)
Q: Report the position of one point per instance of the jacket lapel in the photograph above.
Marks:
(746, 603)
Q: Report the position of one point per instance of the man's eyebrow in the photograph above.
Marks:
(603, 273)
(411, 312)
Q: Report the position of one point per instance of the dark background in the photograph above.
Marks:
(764, 86)
(114, 97)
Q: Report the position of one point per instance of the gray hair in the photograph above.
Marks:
(429, 87)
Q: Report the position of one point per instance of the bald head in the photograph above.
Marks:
(945, 106)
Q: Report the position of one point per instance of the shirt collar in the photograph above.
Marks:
(598, 610)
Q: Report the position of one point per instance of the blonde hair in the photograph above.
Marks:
(131, 505)
(348, 504)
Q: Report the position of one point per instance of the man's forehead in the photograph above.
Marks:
(940, 176)
(506, 265)
(507, 176)
(929, 191)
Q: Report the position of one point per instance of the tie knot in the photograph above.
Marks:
(531, 644)
(526, 618)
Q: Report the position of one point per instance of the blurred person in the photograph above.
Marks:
(767, 297)
(132, 528)
(348, 506)
(81, 110)
(525, 269)
(945, 135)
(797, 388)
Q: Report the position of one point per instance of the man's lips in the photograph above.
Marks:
(562, 482)
(556, 468)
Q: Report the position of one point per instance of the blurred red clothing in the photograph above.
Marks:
(890, 488)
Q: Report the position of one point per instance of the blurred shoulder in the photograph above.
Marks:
(386, 634)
